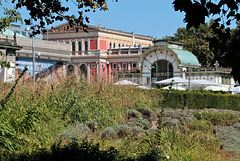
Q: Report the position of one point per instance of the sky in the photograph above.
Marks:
(155, 18)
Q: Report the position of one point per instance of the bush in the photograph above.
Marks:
(122, 130)
(133, 114)
(200, 125)
(141, 122)
(92, 125)
(217, 118)
(147, 113)
(199, 100)
(109, 133)
(77, 131)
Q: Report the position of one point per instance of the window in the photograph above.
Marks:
(114, 45)
(110, 45)
(114, 65)
(24, 33)
(93, 65)
(79, 46)
(124, 65)
(70, 70)
(134, 65)
(86, 46)
(73, 46)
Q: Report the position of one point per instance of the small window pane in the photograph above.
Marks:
(124, 65)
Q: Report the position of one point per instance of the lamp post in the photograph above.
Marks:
(180, 65)
(99, 64)
(33, 53)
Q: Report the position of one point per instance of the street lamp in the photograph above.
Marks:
(189, 77)
(33, 53)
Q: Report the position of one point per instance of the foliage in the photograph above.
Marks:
(10, 16)
(40, 120)
(83, 151)
(200, 125)
(229, 136)
(4, 100)
(217, 118)
(200, 100)
(233, 56)
(44, 12)
(224, 13)
(196, 40)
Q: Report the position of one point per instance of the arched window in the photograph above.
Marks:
(86, 45)
(110, 45)
(114, 45)
(73, 46)
(83, 70)
(70, 70)
(161, 70)
(79, 46)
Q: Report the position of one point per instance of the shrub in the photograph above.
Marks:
(122, 130)
(137, 131)
(200, 125)
(140, 122)
(108, 132)
(217, 118)
(147, 113)
(77, 131)
(133, 114)
(92, 125)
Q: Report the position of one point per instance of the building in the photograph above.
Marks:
(106, 54)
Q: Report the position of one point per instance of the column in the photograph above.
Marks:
(76, 47)
(129, 66)
(88, 73)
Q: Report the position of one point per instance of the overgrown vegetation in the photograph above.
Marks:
(56, 120)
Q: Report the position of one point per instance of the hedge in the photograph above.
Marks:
(199, 100)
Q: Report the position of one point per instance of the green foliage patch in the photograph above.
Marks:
(217, 118)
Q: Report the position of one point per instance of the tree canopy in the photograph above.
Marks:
(196, 41)
(224, 12)
(46, 12)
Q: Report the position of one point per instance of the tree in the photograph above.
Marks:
(46, 12)
(233, 55)
(224, 13)
(10, 16)
(196, 41)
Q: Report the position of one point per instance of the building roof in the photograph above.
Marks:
(186, 57)
(9, 32)
(100, 28)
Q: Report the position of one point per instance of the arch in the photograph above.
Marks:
(161, 69)
(70, 70)
(83, 70)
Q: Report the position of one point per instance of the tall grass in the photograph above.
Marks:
(37, 116)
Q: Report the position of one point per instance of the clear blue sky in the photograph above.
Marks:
(148, 17)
